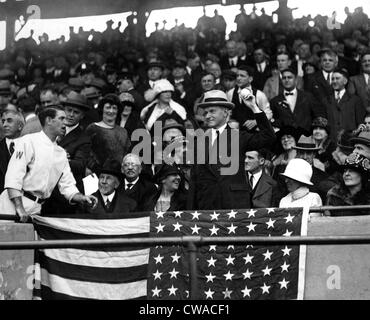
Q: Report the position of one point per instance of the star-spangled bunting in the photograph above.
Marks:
(227, 271)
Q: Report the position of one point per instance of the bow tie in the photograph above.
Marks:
(289, 93)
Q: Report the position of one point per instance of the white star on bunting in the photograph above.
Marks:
(175, 258)
(214, 230)
(177, 226)
(160, 214)
(156, 291)
(232, 229)
(269, 210)
(173, 273)
(178, 214)
(248, 259)
(246, 292)
(289, 218)
(157, 275)
(284, 267)
(195, 229)
(230, 247)
(212, 247)
(270, 223)
(229, 275)
(251, 227)
(287, 233)
(230, 260)
(266, 271)
(214, 216)
(283, 284)
(232, 214)
(286, 251)
(160, 228)
(267, 254)
(172, 290)
(209, 294)
(158, 259)
(265, 289)
(251, 213)
(247, 274)
(210, 277)
(195, 215)
(227, 293)
(211, 262)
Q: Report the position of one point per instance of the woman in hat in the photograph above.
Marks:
(163, 107)
(171, 195)
(286, 138)
(354, 189)
(320, 135)
(298, 175)
(108, 139)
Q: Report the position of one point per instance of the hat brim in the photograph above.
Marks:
(306, 148)
(222, 104)
(360, 140)
(113, 173)
(76, 104)
(299, 180)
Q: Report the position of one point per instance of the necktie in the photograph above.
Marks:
(259, 67)
(11, 148)
(107, 204)
(289, 93)
(328, 79)
(251, 180)
(129, 185)
(337, 96)
(217, 138)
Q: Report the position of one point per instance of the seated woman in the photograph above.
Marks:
(320, 135)
(163, 107)
(108, 139)
(298, 175)
(354, 189)
(171, 195)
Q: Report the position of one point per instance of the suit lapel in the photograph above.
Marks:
(261, 187)
(5, 156)
(70, 137)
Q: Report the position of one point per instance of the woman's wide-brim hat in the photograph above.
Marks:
(76, 99)
(289, 130)
(165, 170)
(357, 162)
(216, 98)
(299, 170)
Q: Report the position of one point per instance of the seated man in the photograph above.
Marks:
(263, 189)
(110, 199)
(134, 185)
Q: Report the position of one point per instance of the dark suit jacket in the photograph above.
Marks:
(260, 78)
(357, 86)
(347, 114)
(4, 160)
(121, 205)
(140, 192)
(265, 194)
(306, 109)
(225, 64)
(209, 188)
(319, 87)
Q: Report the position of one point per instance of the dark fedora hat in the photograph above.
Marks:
(112, 167)
(76, 84)
(362, 138)
(344, 141)
(165, 170)
(76, 99)
(155, 64)
(216, 98)
(91, 93)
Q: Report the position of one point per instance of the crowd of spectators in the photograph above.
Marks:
(304, 80)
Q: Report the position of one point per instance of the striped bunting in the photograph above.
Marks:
(93, 273)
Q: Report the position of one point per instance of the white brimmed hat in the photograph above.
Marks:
(299, 170)
(215, 98)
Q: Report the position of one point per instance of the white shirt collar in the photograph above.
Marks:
(109, 197)
(9, 141)
(30, 116)
(341, 93)
(188, 69)
(132, 182)
(294, 91)
(256, 177)
(69, 129)
(220, 129)
(367, 78)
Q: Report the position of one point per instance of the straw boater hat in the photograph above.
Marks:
(306, 144)
(216, 98)
(299, 170)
